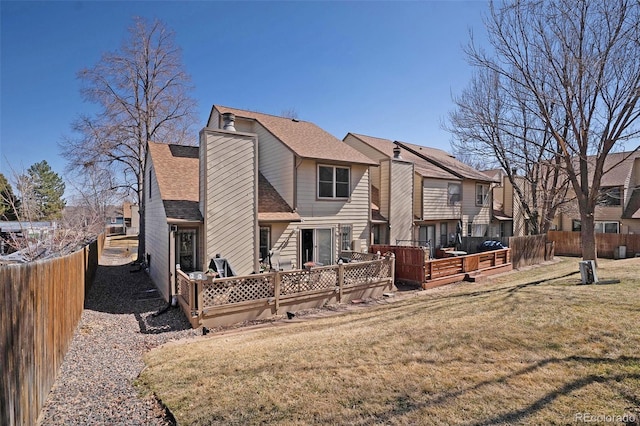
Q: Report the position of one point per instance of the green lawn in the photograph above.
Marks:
(523, 348)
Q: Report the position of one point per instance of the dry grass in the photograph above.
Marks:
(523, 348)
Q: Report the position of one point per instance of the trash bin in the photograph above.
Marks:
(622, 252)
(588, 272)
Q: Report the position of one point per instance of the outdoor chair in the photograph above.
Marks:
(221, 266)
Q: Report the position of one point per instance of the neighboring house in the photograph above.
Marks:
(508, 217)
(618, 211)
(172, 215)
(257, 184)
(423, 195)
(114, 220)
(131, 216)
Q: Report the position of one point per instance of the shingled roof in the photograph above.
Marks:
(446, 161)
(176, 169)
(422, 167)
(617, 167)
(271, 206)
(305, 139)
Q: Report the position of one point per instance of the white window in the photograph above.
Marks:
(265, 242)
(482, 193)
(149, 180)
(610, 196)
(333, 182)
(607, 228)
(454, 193)
(345, 237)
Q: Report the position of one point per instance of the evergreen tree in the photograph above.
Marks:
(9, 203)
(47, 189)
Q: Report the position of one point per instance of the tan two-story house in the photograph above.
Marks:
(259, 189)
(422, 195)
(618, 210)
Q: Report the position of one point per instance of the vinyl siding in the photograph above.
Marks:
(417, 195)
(384, 188)
(230, 188)
(316, 213)
(364, 148)
(284, 238)
(214, 119)
(478, 214)
(434, 198)
(508, 196)
(401, 207)
(633, 181)
(370, 152)
(630, 226)
(156, 234)
(517, 210)
(608, 213)
(276, 163)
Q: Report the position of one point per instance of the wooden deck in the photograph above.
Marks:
(413, 265)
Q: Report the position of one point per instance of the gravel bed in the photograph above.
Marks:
(95, 383)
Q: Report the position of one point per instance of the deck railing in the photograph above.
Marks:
(451, 266)
(221, 301)
(414, 265)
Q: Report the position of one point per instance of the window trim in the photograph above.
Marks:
(349, 233)
(260, 229)
(485, 195)
(334, 182)
(449, 186)
(576, 225)
(604, 224)
(606, 200)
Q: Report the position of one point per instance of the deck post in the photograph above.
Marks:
(340, 281)
(393, 269)
(276, 291)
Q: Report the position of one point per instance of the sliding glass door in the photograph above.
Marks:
(316, 245)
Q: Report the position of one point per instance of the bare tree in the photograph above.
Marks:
(143, 95)
(291, 113)
(575, 64)
(32, 204)
(96, 191)
(493, 117)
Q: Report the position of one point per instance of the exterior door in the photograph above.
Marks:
(186, 250)
(316, 245)
(427, 236)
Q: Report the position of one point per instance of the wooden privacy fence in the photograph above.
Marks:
(40, 306)
(530, 250)
(413, 265)
(410, 261)
(568, 243)
(223, 301)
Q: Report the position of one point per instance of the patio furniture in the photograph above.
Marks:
(221, 266)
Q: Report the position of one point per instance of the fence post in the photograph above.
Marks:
(199, 301)
(393, 269)
(340, 281)
(276, 291)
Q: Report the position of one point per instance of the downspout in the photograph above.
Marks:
(297, 163)
(173, 301)
(172, 278)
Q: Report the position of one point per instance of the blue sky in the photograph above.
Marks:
(385, 69)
